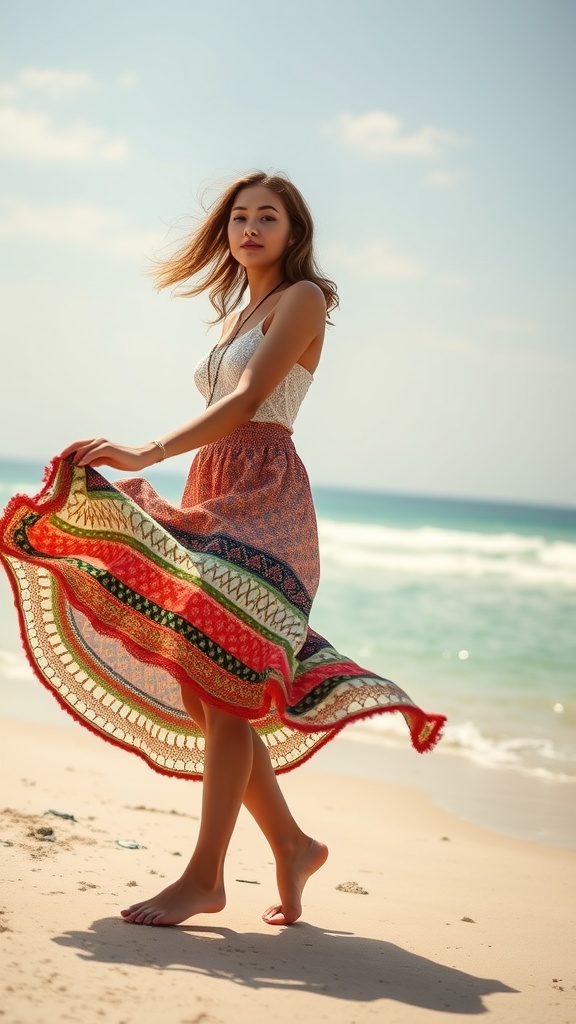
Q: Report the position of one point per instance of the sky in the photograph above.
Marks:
(435, 142)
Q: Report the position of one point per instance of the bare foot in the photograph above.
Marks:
(292, 873)
(176, 903)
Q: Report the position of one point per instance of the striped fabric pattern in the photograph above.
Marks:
(123, 599)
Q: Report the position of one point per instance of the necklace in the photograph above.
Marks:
(241, 322)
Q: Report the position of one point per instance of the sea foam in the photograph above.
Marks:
(536, 756)
(426, 550)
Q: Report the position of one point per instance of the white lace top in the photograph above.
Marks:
(229, 363)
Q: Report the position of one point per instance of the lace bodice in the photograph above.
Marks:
(280, 407)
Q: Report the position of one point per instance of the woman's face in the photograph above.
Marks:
(259, 229)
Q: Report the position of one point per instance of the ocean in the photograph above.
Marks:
(470, 606)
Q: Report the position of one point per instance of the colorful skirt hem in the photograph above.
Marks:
(123, 600)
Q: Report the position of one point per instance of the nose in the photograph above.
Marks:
(250, 229)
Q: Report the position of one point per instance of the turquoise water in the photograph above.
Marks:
(469, 606)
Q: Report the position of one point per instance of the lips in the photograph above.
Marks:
(250, 245)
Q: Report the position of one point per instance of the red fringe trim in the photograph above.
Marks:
(418, 721)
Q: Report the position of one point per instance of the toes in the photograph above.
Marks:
(274, 919)
(137, 915)
(129, 915)
(278, 916)
(132, 909)
(155, 917)
(145, 916)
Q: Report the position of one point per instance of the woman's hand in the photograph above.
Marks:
(97, 451)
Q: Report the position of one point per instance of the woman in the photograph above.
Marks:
(182, 634)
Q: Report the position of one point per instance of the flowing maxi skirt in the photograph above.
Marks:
(123, 599)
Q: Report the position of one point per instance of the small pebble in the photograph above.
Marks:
(46, 834)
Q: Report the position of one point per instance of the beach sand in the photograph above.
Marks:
(418, 915)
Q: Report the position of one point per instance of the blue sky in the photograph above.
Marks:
(435, 143)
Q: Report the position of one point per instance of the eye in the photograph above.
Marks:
(239, 216)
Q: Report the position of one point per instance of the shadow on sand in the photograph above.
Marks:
(303, 957)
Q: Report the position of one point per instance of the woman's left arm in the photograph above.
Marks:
(299, 321)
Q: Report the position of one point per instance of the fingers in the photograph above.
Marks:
(90, 452)
(79, 446)
(98, 451)
(94, 453)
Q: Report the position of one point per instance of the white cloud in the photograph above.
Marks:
(35, 137)
(7, 91)
(55, 82)
(52, 81)
(89, 227)
(457, 282)
(380, 133)
(511, 360)
(375, 261)
(442, 178)
(127, 80)
(510, 325)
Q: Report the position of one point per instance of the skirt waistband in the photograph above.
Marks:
(255, 434)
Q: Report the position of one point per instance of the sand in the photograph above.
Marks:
(418, 916)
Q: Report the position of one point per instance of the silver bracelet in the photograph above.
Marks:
(162, 450)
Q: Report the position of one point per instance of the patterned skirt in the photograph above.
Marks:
(124, 599)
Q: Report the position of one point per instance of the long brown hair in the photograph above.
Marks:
(208, 249)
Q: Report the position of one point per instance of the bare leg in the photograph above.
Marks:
(228, 765)
(297, 855)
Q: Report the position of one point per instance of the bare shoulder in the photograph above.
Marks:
(305, 296)
(307, 290)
